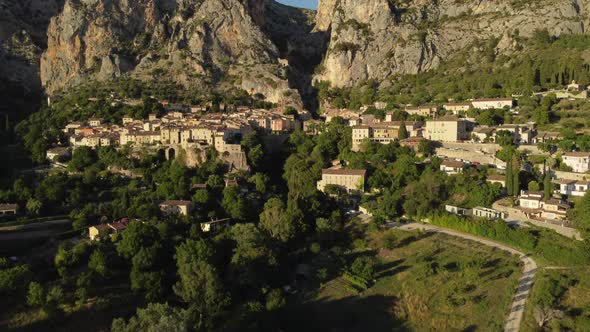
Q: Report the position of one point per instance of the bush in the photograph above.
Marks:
(36, 294)
(363, 267)
(544, 243)
(360, 283)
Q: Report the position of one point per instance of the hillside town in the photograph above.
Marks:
(194, 130)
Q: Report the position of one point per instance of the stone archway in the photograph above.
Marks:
(171, 154)
(162, 154)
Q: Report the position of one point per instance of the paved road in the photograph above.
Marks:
(520, 217)
(525, 282)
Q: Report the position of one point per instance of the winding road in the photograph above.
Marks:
(525, 282)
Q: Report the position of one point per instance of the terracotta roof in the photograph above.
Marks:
(496, 177)
(566, 181)
(8, 206)
(453, 163)
(58, 150)
(493, 99)
(413, 108)
(534, 193)
(101, 227)
(577, 154)
(176, 202)
(118, 226)
(446, 118)
(333, 171)
(555, 201)
(457, 104)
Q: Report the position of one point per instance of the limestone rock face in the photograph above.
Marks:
(23, 26)
(270, 50)
(374, 39)
(185, 41)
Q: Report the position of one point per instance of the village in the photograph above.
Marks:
(459, 141)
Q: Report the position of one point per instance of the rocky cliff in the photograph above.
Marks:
(23, 28)
(374, 39)
(196, 43)
(260, 46)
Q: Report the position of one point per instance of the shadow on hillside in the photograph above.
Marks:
(350, 314)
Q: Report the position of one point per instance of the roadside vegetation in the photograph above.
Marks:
(559, 301)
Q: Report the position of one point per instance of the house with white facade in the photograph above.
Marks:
(353, 180)
(492, 103)
(457, 108)
(578, 161)
(490, 214)
(452, 167)
(573, 187)
(535, 206)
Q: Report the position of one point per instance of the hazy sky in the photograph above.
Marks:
(313, 4)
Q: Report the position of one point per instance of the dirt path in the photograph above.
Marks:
(525, 282)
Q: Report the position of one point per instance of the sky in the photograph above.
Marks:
(313, 4)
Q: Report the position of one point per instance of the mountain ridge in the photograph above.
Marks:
(272, 51)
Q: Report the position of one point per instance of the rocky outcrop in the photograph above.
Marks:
(270, 50)
(324, 14)
(23, 26)
(375, 39)
(191, 42)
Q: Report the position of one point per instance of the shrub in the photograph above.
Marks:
(363, 267)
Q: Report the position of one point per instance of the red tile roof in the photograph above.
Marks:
(333, 171)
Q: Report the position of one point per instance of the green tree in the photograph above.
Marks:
(251, 257)
(581, 216)
(98, 263)
(202, 197)
(261, 182)
(534, 186)
(155, 317)
(403, 131)
(363, 267)
(280, 223)
(70, 256)
(53, 299)
(234, 203)
(137, 235)
(82, 157)
(516, 174)
(13, 278)
(275, 300)
(199, 283)
(35, 294)
(145, 276)
(509, 177)
(426, 147)
(504, 138)
(34, 206)
(547, 185)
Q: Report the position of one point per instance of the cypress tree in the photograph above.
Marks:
(403, 132)
(547, 185)
(509, 177)
(516, 174)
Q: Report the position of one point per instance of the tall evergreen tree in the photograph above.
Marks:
(403, 131)
(547, 185)
(516, 175)
(509, 177)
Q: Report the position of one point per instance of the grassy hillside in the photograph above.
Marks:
(422, 281)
